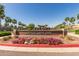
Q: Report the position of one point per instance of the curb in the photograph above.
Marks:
(34, 49)
(41, 45)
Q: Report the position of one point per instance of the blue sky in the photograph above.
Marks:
(41, 13)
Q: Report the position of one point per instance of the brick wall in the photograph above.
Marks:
(60, 32)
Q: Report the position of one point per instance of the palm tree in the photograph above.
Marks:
(2, 13)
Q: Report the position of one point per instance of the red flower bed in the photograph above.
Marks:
(50, 41)
(40, 42)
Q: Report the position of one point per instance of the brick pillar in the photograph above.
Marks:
(64, 32)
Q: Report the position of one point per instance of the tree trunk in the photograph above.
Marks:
(0, 24)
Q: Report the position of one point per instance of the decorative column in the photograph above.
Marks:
(64, 32)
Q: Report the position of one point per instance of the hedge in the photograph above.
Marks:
(4, 33)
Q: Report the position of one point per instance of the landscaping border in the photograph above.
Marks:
(42, 45)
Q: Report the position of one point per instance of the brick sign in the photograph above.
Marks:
(44, 32)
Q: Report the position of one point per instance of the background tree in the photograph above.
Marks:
(7, 23)
(78, 18)
(67, 20)
(14, 22)
(2, 13)
(8, 20)
(72, 20)
(31, 26)
(21, 25)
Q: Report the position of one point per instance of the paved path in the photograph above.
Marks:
(27, 51)
(73, 35)
(12, 53)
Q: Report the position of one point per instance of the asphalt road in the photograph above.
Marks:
(12, 53)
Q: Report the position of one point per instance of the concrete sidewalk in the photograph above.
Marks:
(34, 49)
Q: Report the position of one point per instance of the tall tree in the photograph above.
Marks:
(2, 13)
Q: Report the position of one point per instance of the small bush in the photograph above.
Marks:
(62, 37)
(53, 41)
(36, 41)
(76, 31)
(6, 38)
(70, 38)
(43, 41)
(15, 42)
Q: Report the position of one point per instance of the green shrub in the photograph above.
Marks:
(36, 41)
(4, 33)
(76, 31)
